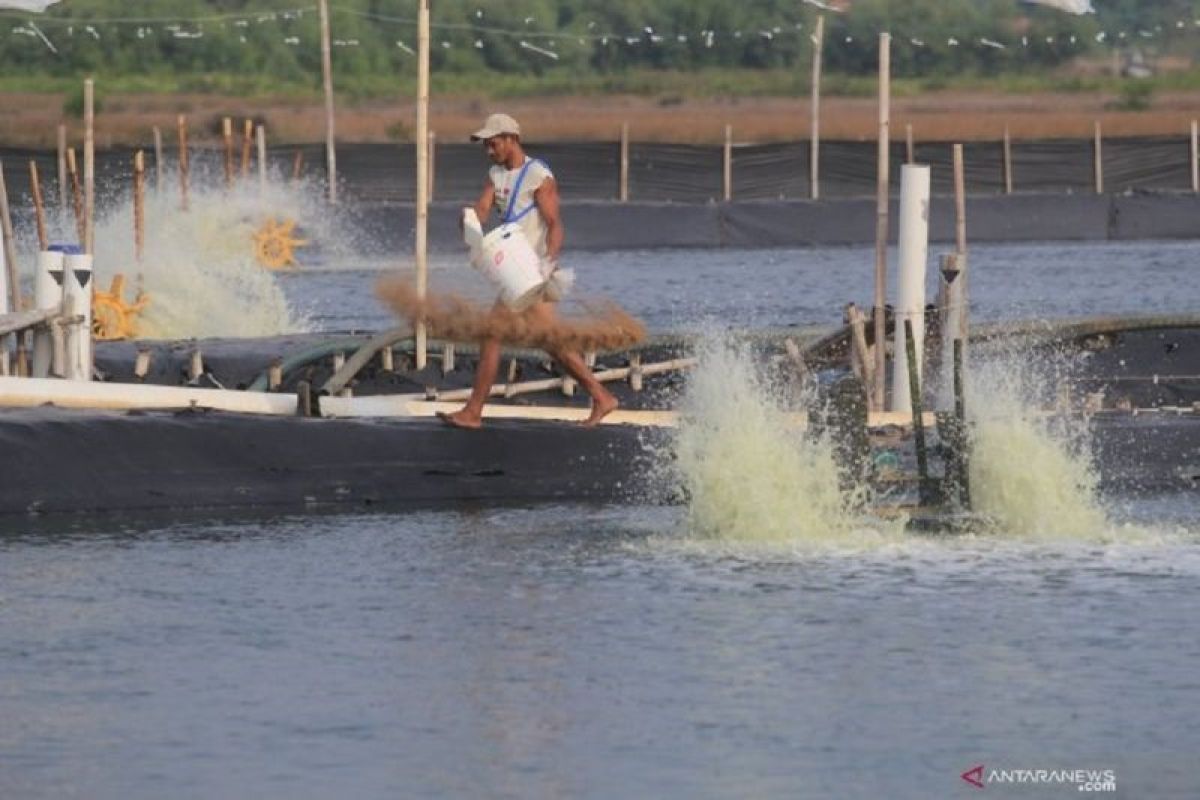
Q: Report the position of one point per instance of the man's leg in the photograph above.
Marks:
(471, 415)
(603, 402)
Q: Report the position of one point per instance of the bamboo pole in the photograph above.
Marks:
(62, 169)
(227, 139)
(1098, 159)
(39, 208)
(623, 181)
(918, 413)
(89, 167)
(1008, 162)
(247, 144)
(432, 163)
(183, 160)
(297, 165)
(139, 205)
(727, 164)
(911, 147)
(10, 247)
(1195, 157)
(76, 194)
(327, 80)
(881, 219)
(260, 135)
(422, 233)
(814, 147)
(159, 166)
(960, 234)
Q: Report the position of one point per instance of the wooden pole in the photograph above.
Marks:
(432, 163)
(1195, 157)
(727, 162)
(623, 181)
(247, 143)
(260, 134)
(10, 247)
(297, 165)
(1008, 164)
(918, 413)
(76, 194)
(908, 140)
(963, 458)
(139, 205)
(814, 145)
(960, 233)
(159, 166)
(327, 79)
(183, 161)
(39, 208)
(422, 233)
(89, 166)
(881, 219)
(857, 322)
(62, 169)
(227, 138)
(1098, 153)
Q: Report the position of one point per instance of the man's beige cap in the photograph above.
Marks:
(495, 125)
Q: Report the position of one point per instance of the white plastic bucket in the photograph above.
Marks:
(508, 260)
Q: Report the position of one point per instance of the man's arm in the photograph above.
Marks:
(546, 198)
(483, 206)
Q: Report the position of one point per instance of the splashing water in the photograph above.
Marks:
(748, 472)
(1030, 473)
(199, 266)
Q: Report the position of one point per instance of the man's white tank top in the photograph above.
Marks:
(505, 182)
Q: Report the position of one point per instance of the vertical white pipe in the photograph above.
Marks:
(77, 285)
(47, 294)
(914, 253)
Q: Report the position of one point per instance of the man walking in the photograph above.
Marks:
(523, 192)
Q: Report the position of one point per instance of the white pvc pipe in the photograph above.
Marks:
(914, 252)
(77, 283)
(33, 392)
(47, 295)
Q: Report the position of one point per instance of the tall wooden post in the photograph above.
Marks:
(159, 165)
(183, 161)
(881, 217)
(10, 248)
(247, 143)
(1008, 164)
(260, 134)
(76, 195)
(139, 205)
(623, 182)
(960, 237)
(89, 165)
(1098, 153)
(432, 164)
(911, 149)
(39, 207)
(814, 143)
(422, 254)
(727, 162)
(327, 80)
(227, 141)
(1196, 156)
(62, 169)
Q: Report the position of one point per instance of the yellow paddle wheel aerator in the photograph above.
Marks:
(112, 317)
(275, 244)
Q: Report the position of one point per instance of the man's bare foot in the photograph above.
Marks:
(460, 419)
(601, 408)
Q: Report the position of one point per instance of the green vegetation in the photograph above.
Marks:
(663, 47)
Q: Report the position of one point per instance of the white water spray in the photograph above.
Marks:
(748, 472)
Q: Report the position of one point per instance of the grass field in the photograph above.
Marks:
(660, 106)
